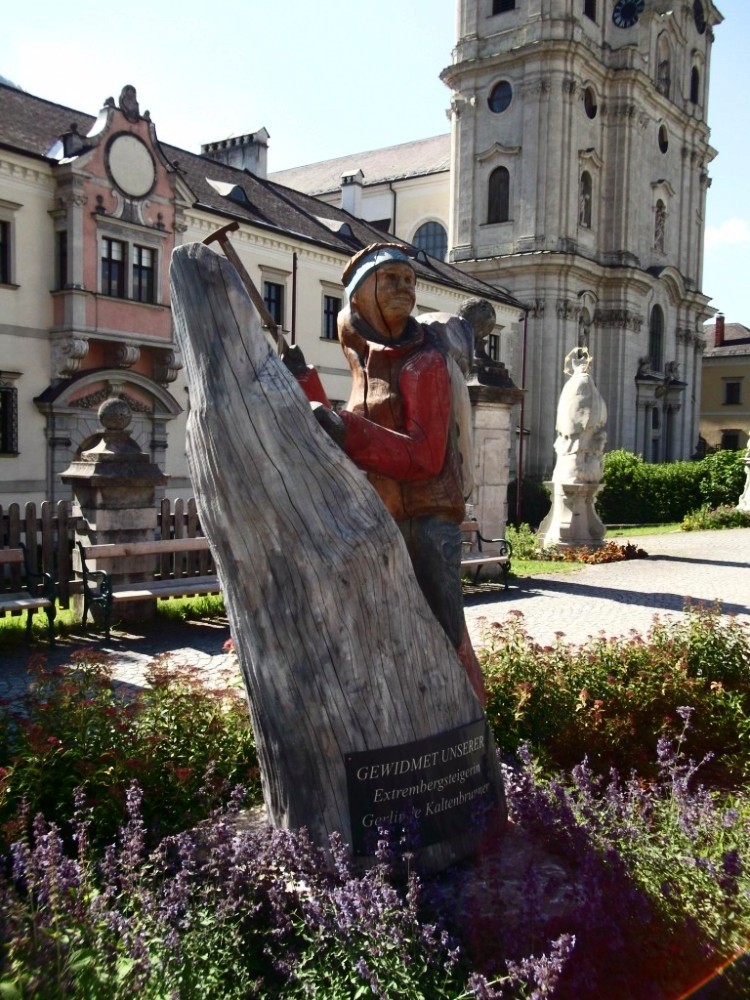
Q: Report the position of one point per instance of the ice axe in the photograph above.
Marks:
(221, 236)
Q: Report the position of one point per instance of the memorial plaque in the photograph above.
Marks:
(439, 785)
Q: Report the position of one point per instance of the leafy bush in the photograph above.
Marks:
(611, 699)
(638, 492)
(523, 540)
(184, 742)
(535, 502)
(723, 478)
(722, 517)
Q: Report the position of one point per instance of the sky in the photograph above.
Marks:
(328, 78)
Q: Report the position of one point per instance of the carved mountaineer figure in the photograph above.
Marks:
(400, 426)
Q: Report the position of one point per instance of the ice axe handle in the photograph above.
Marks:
(221, 236)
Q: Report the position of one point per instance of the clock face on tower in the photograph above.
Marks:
(626, 13)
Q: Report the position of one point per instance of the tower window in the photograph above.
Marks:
(500, 97)
(663, 138)
(498, 201)
(433, 239)
(502, 6)
(695, 85)
(656, 339)
(589, 9)
(589, 103)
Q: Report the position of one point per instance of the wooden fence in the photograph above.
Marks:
(49, 536)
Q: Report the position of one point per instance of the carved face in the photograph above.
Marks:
(386, 298)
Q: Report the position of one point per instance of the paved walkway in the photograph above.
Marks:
(610, 599)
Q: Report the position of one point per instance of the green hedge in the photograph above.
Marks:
(638, 492)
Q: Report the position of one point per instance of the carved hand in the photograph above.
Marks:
(330, 421)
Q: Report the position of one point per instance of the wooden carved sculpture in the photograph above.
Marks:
(361, 710)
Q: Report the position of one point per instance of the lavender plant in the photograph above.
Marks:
(230, 912)
(658, 872)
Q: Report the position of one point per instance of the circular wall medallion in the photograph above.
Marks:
(131, 166)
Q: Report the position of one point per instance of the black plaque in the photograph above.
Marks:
(437, 786)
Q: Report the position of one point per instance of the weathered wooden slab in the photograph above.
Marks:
(340, 653)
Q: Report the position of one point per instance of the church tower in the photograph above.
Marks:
(579, 175)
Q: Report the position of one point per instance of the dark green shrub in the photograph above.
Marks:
(535, 502)
(723, 478)
(638, 492)
(622, 499)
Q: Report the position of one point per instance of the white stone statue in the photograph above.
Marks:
(744, 501)
(579, 445)
(580, 425)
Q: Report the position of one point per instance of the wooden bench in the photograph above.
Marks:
(38, 590)
(473, 556)
(171, 581)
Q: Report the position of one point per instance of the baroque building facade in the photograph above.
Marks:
(91, 207)
(579, 171)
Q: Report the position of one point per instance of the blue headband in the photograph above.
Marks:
(371, 262)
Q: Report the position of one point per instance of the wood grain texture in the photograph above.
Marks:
(338, 648)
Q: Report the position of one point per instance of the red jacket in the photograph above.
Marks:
(398, 426)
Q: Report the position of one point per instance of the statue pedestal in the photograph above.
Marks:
(572, 520)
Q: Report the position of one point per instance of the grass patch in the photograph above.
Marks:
(67, 623)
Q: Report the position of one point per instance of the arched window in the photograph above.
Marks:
(695, 85)
(433, 239)
(498, 200)
(584, 201)
(656, 339)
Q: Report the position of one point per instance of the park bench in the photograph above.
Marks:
(37, 590)
(176, 574)
(474, 557)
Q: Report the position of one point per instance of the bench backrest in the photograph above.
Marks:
(11, 557)
(116, 550)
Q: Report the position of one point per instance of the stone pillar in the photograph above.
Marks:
(493, 395)
(115, 484)
(491, 407)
